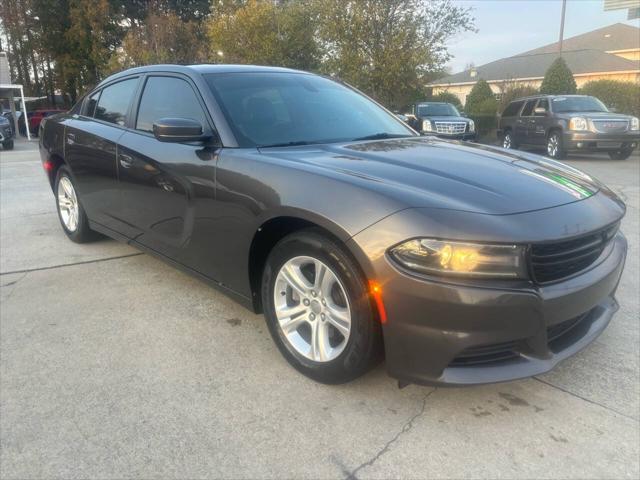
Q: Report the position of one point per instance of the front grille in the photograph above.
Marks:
(554, 261)
(450, 128)
(499, 352)
(611, 126)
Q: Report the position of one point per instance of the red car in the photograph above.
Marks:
(36, 118)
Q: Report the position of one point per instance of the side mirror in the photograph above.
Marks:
(461, 112)
(613, 109)
(178, 130)
(540, 111)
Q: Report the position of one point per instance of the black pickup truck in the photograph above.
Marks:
(442, 120)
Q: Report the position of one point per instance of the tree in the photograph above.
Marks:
(447, 97)
(623, 96)
(558, 80)
(388, 48)
(511, 90)
(480, 93)
(266, 33)
(163, 37)
(482, 107)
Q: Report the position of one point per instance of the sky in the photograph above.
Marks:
(508, 27)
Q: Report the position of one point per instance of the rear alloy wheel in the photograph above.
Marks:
(318, 309)
(507, 141)
(72, 217)
(621, 154)
(555, 148)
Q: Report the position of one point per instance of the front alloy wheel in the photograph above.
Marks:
(554, 146)
(318, 309)
(312, 309)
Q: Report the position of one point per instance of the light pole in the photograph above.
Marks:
(564, 8)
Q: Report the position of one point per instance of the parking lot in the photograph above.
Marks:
(115, 365)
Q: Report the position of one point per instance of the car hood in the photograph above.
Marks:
(428, 172)
(595, 115)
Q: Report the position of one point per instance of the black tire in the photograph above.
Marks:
(363, 347)
(8, 145)
(82, 233)
(555, 146)
(508, 140)
(621, 154)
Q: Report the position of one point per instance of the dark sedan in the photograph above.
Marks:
(304, 199)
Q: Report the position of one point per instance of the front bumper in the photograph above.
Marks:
(591, 141)
(437, 330)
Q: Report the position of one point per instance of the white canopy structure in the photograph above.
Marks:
(9, 90)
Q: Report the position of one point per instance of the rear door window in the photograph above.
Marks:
(512, 109)
(115, 100)
(528, 108)
(168, 97)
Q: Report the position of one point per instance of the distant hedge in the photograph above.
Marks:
(623, 96)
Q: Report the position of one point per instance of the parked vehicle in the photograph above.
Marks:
(36, 117)
(442, 120)
(567, 123)
(303, 199)
(6, 133)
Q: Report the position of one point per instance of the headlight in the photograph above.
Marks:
(578, 123)
(635, 124)
(426, 126)
(472, 126)
(461, 259)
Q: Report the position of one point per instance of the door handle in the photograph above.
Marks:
(126, 161)
(71, 138)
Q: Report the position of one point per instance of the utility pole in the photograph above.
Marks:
(564, 8)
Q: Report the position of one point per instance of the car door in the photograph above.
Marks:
(161, 182)
(90, 149)
(522, 122)
(538, 123)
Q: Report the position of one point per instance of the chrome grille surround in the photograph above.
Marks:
(611, 125)
(450, 128)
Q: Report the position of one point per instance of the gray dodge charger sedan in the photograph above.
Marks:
(358, 239)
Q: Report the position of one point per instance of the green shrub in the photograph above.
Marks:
(624, 97)
(480, 92)
(482, 108)
(558, 80)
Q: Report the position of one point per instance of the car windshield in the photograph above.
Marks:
(438, 110)
(577, 104)
(281, 109)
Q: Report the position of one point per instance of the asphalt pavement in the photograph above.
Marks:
(115, 365)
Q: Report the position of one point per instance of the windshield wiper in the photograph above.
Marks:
(381, 136)
(286, 144)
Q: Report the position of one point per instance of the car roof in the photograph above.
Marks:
(540, 95)
(202, 69)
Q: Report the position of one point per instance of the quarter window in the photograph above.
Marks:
(114, 101)
(168, 97)
(528, 108)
